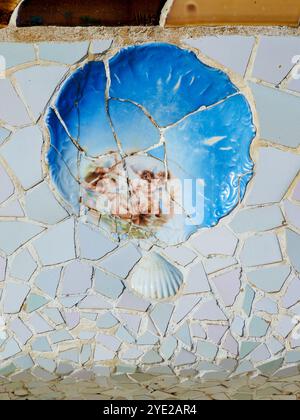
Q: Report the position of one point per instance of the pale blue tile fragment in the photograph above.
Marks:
(168, 347)
(207, 350)
(122, 261)
(42, 206)
(63, 52)
(60, 336)
(258, 327)
(261, 250)
(23, 266)
(16, 53)
(184, 335)
(247, 347)
(161, 315)
(69, 355)
(10, 349)
(108, 285)
(23, 362)
(270, 280)
(106, 321)
(13, 297)
(279, 115)
(57, 244)
(99, 46)
(231, 51)
(293, 248)
(41, 344)
(37, 85)
(12, 110)
(47, 281)
(93, 244)
(23, 154)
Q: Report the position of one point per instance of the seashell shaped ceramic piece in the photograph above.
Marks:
(156, 278)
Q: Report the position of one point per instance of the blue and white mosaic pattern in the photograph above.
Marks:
(71, 323)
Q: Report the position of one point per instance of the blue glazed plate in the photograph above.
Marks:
(157, 115)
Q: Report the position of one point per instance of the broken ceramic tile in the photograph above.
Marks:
(107, 285)
(48, 280)
(274, 345)
(223, 48)
(230, 344)
(54, 315)
(60, 336)
(258, 327)
(292, 295)
(180, 255)
(37, 84)
(261, 250)
(13, 112)
(260, 354)
(38, 324)
(228, 286)
(183, 334)
(270, 186)
(60, 240)
(21, 331)
(257, 219)
(220, 240)
(209, 311)
(293, 247)
(93, 302)
(106, 321)
(215, 333)
(207, 350)
(93, 244)
(34, 302)
(132, 302)
(99, 46)
(184, 357)
(184, 306)
(196, 280)
(147, 339)
(13, 297)
(15, 234)
(269, 280)
(248, 300)
(273, 60)
(122, 261)
(285, 325)
(214, 264)
(10, 349)
(23, 154)
(161, 315)
(62, 52)
(292, 212)
(41, 344)
(279, 115)
(237, 326)
(12, 209)
(102, 354)
(23, 266)
(76, 278)
(267, 305)
(42, 206)
(168, 347)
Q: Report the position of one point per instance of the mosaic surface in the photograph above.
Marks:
(74, 318)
